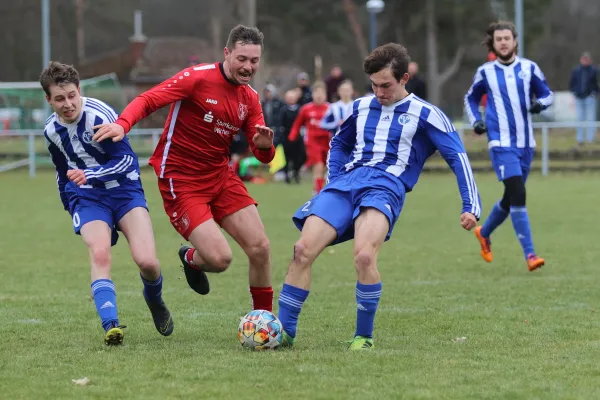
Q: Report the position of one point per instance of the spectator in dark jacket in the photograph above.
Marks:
(584, 86)
(304, 89)
(295, 153)
(415, 84)
(333, 82)
(271, 105)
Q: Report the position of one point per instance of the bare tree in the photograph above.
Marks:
(361, 43)
(435, 78)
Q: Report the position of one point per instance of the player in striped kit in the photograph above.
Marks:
(511, 84)
(99, 185)
(375, 159)
(340, 110)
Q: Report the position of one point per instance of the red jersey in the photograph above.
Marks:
(207, 112)
(310, 115)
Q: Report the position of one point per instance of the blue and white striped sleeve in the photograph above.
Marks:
(330, 121)
(102, 110)
(543, 94)
(474, 95)
(446, 140)
(341, 147)
(122, 160)
(60, 163)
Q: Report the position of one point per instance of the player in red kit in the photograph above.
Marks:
(317, 139)
(210, 104)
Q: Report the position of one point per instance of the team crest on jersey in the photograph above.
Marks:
(523, 75)
(87, 137)
(403, 119)
(242, 111)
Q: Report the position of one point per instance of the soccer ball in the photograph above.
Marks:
(260, 330)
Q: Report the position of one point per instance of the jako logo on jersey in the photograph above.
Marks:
(242, 111)
(209, 117)
(403, 119)
(211, 101)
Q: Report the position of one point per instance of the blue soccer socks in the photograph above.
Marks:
(494, 220)
(520, 221)
(105, 298)
(367, 300)
(153, 289)
(290, 302)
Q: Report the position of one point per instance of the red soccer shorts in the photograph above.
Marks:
(316, 151)
(191, 202)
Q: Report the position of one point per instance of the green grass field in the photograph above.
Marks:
(528, 335)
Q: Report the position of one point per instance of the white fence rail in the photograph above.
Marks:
(155, 135)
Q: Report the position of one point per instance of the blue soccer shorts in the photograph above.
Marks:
(511, 161)
(108, 205)
(342, 200)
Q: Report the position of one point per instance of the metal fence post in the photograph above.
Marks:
(545, 150)
(31, 155)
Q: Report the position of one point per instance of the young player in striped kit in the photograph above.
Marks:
(375, 159)
(511, 84)
(99, 185)
(340, 110)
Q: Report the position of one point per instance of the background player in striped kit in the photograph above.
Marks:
(99, 184)
(340, 110)
(510, 83)
(375, 159)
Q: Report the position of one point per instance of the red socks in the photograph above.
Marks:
(262, 298)
(319, 183)
(189, 257)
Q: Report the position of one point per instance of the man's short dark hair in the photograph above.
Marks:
(488, 41)
(392, 55)
(244, 35)
(58, 74)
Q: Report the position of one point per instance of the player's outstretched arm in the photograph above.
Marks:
(453, 151)
(341, 147)
(176, 88)
(298, 123)
(473, 97)
(543, 94)
(60, 162)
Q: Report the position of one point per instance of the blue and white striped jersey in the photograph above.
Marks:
(336, 114)
(509, 90)
(106, 164)
(398, 139)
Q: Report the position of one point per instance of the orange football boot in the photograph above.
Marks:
(486, 245)
(534, 262)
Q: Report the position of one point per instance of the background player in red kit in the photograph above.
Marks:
(210, 103)
(317, 139)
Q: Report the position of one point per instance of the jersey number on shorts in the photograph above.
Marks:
(501, 168)
(306, 207)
